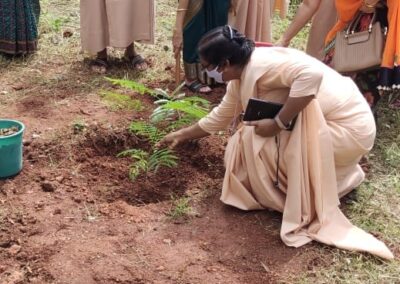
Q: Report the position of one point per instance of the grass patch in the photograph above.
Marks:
(392, 154)
(117, 101)
(78, 126)
(180, 208)
(353, 268)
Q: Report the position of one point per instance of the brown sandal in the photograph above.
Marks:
(99, 65)
(138, 62)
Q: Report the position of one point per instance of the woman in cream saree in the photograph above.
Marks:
(318, 159)
(116, 23)
(253, 18)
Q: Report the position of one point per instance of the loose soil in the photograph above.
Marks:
(73, 215)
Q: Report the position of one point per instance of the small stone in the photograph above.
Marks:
(27, 142)
(160, 268)
(14, 249)
(57, 211)
(18, 87)
(167, 241)
(77, 199)
(55, 39)
(35, 136)
(39, 205)
(89, 200)
(22, 256)
(67, 33)
(47, 186)
(60, 179)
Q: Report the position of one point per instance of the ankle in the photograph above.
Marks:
(130, 51)
(102, 54)
(188, 81)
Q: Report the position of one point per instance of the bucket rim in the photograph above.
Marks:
(21, 130)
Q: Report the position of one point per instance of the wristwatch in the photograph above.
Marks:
(281, 125)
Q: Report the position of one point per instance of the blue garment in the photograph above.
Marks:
(18, 26)
(213, 14)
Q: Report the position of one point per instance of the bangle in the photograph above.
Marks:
(280, 124)
(181, 10)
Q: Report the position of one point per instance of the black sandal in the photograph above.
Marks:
(99, 65)
(136, 61)
(196, 86)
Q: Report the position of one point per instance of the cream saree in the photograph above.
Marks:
(319, 158)
(115, 23)
(253, 18)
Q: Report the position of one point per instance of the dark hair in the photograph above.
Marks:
(225, 43)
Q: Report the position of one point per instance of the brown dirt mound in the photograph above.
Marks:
(93, 153)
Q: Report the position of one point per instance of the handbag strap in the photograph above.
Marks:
(353, 25)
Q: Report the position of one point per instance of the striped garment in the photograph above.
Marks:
(18, 26)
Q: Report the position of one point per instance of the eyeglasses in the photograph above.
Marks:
(207, 67)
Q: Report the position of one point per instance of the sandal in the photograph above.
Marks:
(99, 65)
(196, 87)
(138, 62)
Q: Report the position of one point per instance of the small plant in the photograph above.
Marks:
(78, 126)
(180, 208)
(147, 130)
(175, 108)
(173, 111)
(145, 162)
(180, 110)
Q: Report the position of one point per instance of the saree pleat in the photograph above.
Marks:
(18, 29)
(253, 18)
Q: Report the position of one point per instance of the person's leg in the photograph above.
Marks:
(94, 32)
(192, 81)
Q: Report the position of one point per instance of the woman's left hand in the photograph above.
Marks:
(264, 127)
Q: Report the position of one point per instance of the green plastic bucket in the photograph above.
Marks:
(11, 149)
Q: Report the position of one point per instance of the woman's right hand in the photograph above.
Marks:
(172, 139)
(177, 41)
(185, 134)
